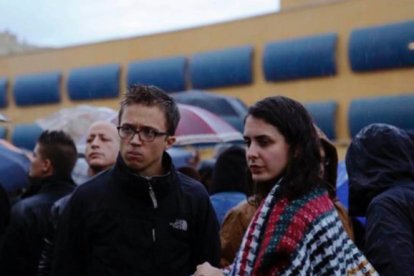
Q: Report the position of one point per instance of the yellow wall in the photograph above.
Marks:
(297, 4)
(329, 16)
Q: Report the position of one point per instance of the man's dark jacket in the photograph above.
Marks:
(29, 217)
(120, 223)
(380, 165)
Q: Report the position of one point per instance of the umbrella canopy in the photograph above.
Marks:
(3, 118)
(14, 167)
(76, 120)
(200, 126)
(231, 109)
(197, 125)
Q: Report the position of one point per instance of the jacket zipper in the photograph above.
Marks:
(154, 203)
(152, 195)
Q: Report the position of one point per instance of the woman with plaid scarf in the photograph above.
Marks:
(296, 229)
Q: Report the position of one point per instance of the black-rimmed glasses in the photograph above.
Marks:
(145, 134)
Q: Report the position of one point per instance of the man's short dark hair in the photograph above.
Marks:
(150, 95)
(59, 148)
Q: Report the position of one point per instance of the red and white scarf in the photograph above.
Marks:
(300, 237)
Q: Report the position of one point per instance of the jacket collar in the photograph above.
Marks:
(51, 182)
(47, 184)
(138, 186)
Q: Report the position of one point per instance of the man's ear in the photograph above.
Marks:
(47, 167)
(169, 142)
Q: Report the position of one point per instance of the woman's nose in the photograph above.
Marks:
(251, 152)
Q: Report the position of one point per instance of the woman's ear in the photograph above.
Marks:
(296, 152)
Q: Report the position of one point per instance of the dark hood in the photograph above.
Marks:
(380, 156)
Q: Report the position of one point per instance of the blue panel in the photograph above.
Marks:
(394, 110)
(300, 58)
(222, 68)
(167, 73)
(96, 82)
(3, 132)
(324, 115)
(37, 89)
(382, 47)
(3, 92)
(26, 135)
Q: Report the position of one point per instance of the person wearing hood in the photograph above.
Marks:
(380, 165)
(50, 172)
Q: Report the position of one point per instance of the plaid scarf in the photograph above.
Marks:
(299, 237)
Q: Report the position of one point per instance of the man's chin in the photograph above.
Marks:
(99, 167)
(95, 164)
(133, 164)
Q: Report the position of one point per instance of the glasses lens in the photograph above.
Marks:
(125, 132)
(147, 134)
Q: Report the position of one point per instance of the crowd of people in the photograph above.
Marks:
(266, 208)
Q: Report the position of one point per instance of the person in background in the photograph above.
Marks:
(205, 167)
(380, 165)
(54, 158)
(205, 170)
(195, 159)
(296, 229)
(190, 171)
(230, 183)
(141, 217)
(102, 147)
(329, 172)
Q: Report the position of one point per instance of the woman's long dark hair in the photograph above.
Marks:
(294, 122)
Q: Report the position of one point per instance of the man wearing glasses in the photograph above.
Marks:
(142, 217)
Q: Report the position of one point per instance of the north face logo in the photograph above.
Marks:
(179, 224)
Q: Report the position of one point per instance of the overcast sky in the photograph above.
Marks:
(60, 23)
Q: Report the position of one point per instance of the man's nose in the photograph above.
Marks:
(95, 141)
(136, 139)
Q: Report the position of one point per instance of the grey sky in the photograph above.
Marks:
(58, 23)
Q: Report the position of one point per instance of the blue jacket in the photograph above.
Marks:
(120, 223)
(224, 201)
(380, 164)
